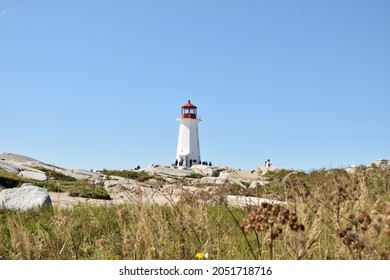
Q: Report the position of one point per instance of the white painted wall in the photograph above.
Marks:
(188, 142)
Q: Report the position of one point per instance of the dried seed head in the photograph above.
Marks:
(271, 217)
(341, 232)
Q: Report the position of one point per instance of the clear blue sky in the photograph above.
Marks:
(99, 84)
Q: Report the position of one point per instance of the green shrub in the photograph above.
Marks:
(96, 192)
(140, 176)
(8, 181)
(195, 176)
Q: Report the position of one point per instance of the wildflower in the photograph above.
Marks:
(202, 256)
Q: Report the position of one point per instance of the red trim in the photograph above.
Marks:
(189, 105)
(188, 116)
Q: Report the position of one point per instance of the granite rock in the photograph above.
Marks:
(26, 197)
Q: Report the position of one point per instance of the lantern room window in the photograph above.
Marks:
(189, 113)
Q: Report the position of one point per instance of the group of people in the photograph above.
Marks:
(267, 163)
(205, 163)
(191, 162)
(178, 163)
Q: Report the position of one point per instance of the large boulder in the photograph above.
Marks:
(26, 197)
(205, 170)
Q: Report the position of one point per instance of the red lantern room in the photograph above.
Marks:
(188, 111)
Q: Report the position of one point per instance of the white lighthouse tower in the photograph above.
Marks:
(188, 152)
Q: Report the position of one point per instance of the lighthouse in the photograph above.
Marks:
(188, 152)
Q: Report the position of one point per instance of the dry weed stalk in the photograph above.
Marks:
(386, 220)
(352, 235)
(271, 218)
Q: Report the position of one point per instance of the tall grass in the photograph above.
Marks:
(329, 214)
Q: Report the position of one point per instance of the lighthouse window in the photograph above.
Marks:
(189, 111)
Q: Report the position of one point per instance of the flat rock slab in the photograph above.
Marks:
(33, 174)
(214, 180)
(9, 167)
(26, 197)
(169, 171)
(18, 158)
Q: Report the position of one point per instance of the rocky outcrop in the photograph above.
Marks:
(205, 170)
(24, 171)
(26, 197)
(120, 184)
(168, 170)
(351, 169)
(14, 158)
(256, 184)
(9, 167)
(25, 167)
(213, 180)
(265, 170)
(79, 174)
(381, 163)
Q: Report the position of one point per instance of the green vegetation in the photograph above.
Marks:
(51, 173)
(88, 191)
(195, 176)
(58, 183)
(329, 214)
(140, 176)
(10, 180)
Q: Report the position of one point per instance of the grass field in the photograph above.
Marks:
(329, 214)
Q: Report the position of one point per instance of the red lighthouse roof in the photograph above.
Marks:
(189, 105)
